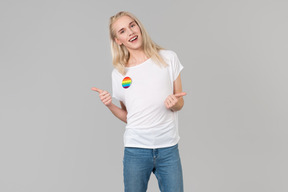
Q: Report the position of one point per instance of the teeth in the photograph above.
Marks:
(133, 39)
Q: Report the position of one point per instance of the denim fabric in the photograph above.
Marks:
(165, 163)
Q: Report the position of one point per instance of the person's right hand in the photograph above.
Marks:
(104, 96)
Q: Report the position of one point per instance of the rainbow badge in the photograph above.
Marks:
(126, 82)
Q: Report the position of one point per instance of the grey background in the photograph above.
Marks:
(57, 136)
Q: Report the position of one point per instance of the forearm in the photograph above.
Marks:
(118, 112)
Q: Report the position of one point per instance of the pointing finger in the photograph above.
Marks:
(180, 94)
(96, 89)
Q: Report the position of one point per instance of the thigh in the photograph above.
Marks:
(137, 168)
(169, 170)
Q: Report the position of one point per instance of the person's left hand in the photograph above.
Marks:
(173, 100)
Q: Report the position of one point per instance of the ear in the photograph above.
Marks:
(117, 41)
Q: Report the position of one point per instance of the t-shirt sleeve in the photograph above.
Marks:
(116, 86)
(176, 66)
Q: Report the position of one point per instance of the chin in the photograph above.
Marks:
(136, 48)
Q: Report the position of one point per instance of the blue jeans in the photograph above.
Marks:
(165, 163)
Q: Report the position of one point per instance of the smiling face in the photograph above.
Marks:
(128, 33)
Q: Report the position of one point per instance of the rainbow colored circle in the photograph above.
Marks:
(126, 82)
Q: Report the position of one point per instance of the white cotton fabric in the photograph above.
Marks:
(149, 123)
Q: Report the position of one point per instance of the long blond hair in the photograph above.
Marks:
(120, 54)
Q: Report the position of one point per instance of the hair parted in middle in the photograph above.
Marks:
(120, 54)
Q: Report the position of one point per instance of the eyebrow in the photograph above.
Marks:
(129, 24)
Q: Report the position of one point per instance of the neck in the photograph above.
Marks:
(136, 57)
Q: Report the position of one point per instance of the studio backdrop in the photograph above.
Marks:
(57, 136)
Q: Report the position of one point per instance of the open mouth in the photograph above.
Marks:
(133, 38)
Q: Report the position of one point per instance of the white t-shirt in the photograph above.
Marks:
(143, 90)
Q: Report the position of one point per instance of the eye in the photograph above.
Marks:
(122, 31)
(133, 25)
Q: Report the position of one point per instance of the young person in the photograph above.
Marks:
(146, 80)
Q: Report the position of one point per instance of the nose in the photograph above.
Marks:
(131, 32)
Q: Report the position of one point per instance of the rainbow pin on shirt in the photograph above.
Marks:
(127, 81)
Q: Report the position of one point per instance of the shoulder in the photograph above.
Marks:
(114, 71)
(167, 54)
(116, 74)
